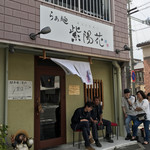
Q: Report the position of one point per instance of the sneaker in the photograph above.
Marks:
(128, 137)
(108, 139)
(89, 148)
(98, 144)
(91, 141)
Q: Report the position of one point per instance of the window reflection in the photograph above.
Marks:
(50, 125)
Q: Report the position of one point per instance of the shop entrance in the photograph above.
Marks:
(50, 127)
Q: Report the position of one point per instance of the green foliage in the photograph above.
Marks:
(3, 134)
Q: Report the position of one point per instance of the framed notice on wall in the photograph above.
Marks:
(74, 90)
(19, 90)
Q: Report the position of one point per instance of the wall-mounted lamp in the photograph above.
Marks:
(11, 49)
(43, 31)
(125, 48)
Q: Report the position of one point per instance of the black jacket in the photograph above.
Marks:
(78, 115)
(96, 112)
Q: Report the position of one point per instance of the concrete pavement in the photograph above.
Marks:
(118, 144)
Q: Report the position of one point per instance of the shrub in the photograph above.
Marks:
(3, 134)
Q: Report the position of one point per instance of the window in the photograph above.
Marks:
(96, 8)
(141, 76)
(137, 77)
(95, 90)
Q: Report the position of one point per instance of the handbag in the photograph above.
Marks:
(141, 117)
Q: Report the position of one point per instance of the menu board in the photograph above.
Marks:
(19, 90)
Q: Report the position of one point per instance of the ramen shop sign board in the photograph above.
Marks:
(72, 29)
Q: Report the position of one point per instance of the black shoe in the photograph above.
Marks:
(134, 138)
(98, 144)
(108, 139)
(128, 137)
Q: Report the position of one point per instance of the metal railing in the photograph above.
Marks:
(96, 8)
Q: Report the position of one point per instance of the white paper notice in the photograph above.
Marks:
(19, 90)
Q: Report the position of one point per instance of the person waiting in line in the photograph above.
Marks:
(81, 121)
(148, 98)
(142, 129)
(98, 118)
(142, 108)
(128, 111)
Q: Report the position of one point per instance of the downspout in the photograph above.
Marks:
(118, 98)
(115, 94)
(6, 88)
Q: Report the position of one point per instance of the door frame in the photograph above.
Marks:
(49, 70)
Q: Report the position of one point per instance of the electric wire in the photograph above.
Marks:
(144, 8)
(143, 14)
(138, 53)
(141, 29)
(143, 5)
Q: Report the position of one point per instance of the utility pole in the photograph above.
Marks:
(131, 47)
(146, 22)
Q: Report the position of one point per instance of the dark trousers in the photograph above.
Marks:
(107, 123)
(85, 127)
(94, 131)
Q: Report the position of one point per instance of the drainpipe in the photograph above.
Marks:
(6, 88)
(119, 98)
(115, 94)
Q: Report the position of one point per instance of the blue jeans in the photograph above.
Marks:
(146, 128)
(127, 122)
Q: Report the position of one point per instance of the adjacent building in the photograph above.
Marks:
(45, 77)
(146, 57)
(139, 73)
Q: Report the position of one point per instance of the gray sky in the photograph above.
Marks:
(141, 32)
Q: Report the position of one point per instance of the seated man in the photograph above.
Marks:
(97, 118)
(81, 121)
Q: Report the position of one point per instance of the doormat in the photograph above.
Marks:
(136, 146)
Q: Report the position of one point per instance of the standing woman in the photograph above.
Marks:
(141, 106)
